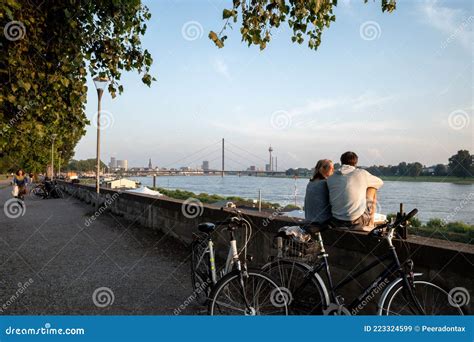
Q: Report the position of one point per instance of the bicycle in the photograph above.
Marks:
(239, 290)
(46, 189)
(403, 292)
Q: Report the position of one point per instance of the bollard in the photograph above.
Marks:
(259, 200)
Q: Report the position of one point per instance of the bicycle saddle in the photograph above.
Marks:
(206, 227)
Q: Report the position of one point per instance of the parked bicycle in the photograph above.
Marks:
(404, 292)
(236, 289)
(46, 189)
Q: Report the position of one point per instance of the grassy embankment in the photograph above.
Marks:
(207, 198)
(435, 228)
(439, 229)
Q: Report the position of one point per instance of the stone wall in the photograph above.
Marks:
(450, 264)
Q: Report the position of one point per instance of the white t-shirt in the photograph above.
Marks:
(347, 191)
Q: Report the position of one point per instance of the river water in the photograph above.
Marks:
(454, 202)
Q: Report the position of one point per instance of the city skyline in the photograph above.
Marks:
(388, 97)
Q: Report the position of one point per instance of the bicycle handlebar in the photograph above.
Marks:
(233, 219)
(411, 214)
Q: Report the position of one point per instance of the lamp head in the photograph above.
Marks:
(100, 83)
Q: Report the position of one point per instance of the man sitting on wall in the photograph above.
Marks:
(353, 194)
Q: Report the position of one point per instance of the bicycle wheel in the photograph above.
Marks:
(57, 193)
(200, 278)
(38, 192)
(432, 298)
(252, 293)
(307, 290)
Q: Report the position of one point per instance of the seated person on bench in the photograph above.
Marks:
(353, 195)
(316, 202)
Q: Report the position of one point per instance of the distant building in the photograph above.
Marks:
(205, 165)
(428, 170)
(113, 163)
(150, 166)
(122, 165)
(252, 168)
(121, 184)
(268, 167)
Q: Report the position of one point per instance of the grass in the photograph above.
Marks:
(435, 179)
(435, 228)
(207, 198)
(439, 229)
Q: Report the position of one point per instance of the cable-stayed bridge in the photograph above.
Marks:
(223, 158)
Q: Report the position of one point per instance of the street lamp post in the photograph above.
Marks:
(53, 137)
(60, 153)
(100, 83)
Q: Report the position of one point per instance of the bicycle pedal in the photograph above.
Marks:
(336, 310)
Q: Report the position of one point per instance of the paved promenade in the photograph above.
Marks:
(51, 262)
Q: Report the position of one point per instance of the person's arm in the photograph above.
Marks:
(373, 181)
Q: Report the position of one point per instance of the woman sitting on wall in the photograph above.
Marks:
(316, 203)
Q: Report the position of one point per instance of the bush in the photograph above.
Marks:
(415, 222)
(391, 216)
(436, 223)
(460, 227)
(290, 207)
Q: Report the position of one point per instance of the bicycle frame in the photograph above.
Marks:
(232, 258)
(383, 277)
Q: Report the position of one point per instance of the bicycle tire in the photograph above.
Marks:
(57, 193)
(434, 301)
(200, 279)
(262, 292)
(308, 291)
(38, 192)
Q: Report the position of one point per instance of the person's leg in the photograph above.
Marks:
(371, 196)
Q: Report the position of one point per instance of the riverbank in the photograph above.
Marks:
(433, 179)
(435, 228)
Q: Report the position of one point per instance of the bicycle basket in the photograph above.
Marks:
(287, 248)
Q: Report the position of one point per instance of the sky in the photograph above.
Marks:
(391, 87)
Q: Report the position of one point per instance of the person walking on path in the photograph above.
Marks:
(19, 184)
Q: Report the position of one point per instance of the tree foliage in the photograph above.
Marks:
(84, 165)
(48, 49)
(461, 164)
(306, 18)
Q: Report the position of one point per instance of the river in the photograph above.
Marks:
(454, 202)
